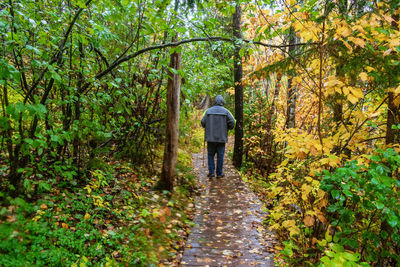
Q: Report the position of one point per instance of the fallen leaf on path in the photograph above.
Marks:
(227, 252)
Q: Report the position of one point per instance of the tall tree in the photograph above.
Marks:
(238, 74)
(291, 90)
(172, 128)
(393, 113)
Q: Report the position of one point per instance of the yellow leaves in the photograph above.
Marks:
(348, 46)
(357, 41)
(98, 201)
(313, 150)
(358, 28)
(369, 69)
(87, 216)
(39, 215)
(320, 215)
(333, 85)
(388, 19)
(43, 206)
(353, 94)
(333, 81)
(375, 114)
(231, 91)
(306, 30)
(291, 226)
(276, 214)
(363, 76)
(394, 42)
(88, 188)
(261, 66)
(331, 160)
(397, 90)
(315, 64)
(357, 92)
(396, 101)
(371, 20)
(343, 31)
(308, 221)
(161, 214)
(352, 99)
(263, 28)
(306, 189)
(64, 225)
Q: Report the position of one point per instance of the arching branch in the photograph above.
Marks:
(178, 43)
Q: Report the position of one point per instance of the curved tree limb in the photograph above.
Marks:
(198, 39)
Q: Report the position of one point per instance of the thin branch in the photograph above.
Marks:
(136, 38)
(262, 13)
(371, 139)
(57, 57)
(359, 126)
(101, 56)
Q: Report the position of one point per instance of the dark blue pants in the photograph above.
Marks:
(212, 149)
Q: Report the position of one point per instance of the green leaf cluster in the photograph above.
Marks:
(364, 206)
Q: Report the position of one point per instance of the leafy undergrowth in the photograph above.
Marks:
(116, 219)
(344, 216)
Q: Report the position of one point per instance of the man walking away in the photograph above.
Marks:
(217, 120)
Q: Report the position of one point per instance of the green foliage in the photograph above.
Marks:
(337, 256)
(110, 222)
(192, 134)
(364, 206)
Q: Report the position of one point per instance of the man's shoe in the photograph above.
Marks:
(210, 175)
(220, 176)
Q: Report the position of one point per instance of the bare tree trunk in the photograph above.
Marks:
(291, 91)
(391, 119)
(238, 74)
(269, 138)
(393, 113)
(205, 103)
(171, 143)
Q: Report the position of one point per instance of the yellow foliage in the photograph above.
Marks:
(357, 41)
(291, 226)
(363, 76)
(322, 141)
(343, 31)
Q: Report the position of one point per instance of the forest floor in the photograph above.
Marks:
(228, 228)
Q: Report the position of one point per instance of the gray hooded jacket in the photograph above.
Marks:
(217, 120)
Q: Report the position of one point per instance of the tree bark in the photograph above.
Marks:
(172, 130)
(291, 91)
(238, 74)
(269, 138)
(391, 119)
(393, 114)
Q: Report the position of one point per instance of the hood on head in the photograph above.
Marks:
(219, 101)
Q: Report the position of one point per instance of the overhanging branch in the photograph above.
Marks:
(178, 43)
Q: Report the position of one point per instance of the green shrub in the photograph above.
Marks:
(364, 206)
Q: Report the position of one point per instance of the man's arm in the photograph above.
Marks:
(203, 120)
(231, 121)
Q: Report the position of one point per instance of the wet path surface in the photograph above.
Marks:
(228, 218)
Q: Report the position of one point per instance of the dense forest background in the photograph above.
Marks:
(92, 90)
